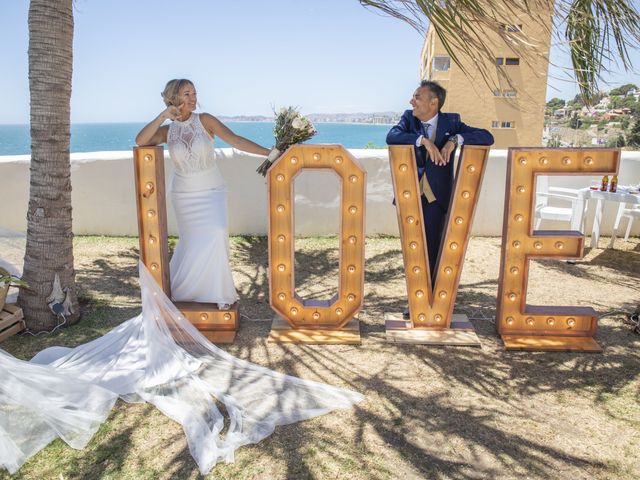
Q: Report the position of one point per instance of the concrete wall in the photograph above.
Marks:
(104, 202)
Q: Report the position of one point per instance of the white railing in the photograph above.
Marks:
(104, 201)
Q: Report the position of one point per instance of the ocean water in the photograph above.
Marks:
(98, 137)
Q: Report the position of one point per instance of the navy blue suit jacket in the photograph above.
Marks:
(409, 128)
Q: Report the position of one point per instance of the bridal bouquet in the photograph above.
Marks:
(290, 128)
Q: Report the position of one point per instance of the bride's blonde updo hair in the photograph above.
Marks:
(172, 90)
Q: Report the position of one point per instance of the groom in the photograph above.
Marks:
(435, 136)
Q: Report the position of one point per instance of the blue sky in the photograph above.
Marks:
(244, 56)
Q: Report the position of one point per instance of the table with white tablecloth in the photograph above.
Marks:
(623, 196)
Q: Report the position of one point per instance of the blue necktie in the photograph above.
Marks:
(425, 188)
(427, 130)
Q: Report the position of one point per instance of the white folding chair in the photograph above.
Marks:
(630, 214)
(544, 211)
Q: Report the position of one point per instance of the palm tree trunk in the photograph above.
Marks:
(49, 249)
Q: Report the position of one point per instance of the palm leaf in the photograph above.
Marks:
(598, 34)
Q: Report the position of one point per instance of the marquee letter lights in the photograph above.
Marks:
(314, 321)
(152, 214)
(219, 326)
(522, 326)
(431, 309)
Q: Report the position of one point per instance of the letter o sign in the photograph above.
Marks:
(337, 312)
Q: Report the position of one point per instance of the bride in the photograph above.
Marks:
(200, 264)
(158, 356)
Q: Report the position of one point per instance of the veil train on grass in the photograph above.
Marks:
(160, 358)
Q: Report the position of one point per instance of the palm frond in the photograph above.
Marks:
(597, 33)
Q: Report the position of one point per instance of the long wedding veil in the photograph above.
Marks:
(160, 358)
(39, 403)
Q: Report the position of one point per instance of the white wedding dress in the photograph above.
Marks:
(158, 356)
(200, 264)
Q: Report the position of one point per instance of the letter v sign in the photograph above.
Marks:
(431, 309)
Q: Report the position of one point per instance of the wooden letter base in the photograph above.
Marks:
(283, 332)
(553, 340)
(551, 343)
(460, 334)
(219, 326)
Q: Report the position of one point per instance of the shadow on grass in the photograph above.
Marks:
(503, 377)
(460, 413)
(625, 264)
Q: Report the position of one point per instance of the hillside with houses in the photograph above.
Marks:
(613, 120)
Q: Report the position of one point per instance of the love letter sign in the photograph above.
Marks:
(529, 327)
(314, 321)
(431, 304)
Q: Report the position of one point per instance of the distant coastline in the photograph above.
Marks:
(377, 118)
(372, 118)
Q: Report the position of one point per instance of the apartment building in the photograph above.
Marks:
(510, 106)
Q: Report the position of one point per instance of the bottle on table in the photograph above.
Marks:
(605, 183)
(613, 186)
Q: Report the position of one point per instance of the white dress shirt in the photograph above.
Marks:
(433, 125)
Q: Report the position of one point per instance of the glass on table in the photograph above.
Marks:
(595, 184)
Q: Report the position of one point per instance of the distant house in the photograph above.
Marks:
(591, 112)
(616, 113)
(560, 112)
(603, 103)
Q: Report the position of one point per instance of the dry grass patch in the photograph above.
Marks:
(459, 413)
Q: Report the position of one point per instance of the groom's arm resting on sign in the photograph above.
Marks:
(435, 155)
(406, 133)
(403, 133)
(216, 128)
(462, 134)
(467, 134)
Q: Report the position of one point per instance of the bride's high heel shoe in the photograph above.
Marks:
(224, 306)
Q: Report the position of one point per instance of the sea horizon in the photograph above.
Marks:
(119, 136)
(142, 122)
